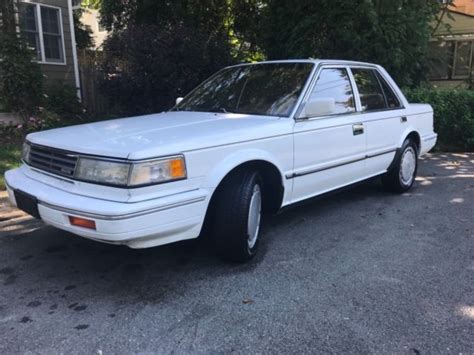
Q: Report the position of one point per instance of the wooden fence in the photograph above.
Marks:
(90, 74)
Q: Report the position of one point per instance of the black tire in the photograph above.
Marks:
(394, 179)
(231, 216)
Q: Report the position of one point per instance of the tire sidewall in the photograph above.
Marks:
(254, 180)
(407, 144)
(231, 218)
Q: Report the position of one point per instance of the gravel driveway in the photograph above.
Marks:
(358, 271)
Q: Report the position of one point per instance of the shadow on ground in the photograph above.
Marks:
(361, 270)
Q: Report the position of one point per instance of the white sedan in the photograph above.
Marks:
(251, 139)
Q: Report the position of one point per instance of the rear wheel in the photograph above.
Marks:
(237, 216)
(401, 176)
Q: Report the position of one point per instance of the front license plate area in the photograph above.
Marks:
(27, 203)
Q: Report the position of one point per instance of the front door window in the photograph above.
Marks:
(335, 83)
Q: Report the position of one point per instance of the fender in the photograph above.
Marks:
(215, 176)
(405, 134)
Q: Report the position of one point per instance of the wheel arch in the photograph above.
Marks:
(410, 133)
(414, 135)
(273, 180)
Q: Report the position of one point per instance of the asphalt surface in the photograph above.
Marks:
(361, 271)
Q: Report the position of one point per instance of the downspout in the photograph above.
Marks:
(74, 51)
(471, 67)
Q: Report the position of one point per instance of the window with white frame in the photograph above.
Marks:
(42, 28)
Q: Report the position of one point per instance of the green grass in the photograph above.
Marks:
(9, 158)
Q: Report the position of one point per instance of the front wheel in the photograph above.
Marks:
(238, 216)
(402, 174)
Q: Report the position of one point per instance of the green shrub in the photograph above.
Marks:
(40, 121)
(9, 159)
(453, 116)
(20, 78)
(146, 67)
(62, 100)
(43, 120)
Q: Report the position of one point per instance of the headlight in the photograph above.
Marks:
(102, 171)
(156, 171)
(129, 173)
(25, 153)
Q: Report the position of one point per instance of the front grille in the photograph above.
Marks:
(52, 160)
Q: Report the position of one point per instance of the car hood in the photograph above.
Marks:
(154, 135)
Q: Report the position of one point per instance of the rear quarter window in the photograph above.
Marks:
(392, 100)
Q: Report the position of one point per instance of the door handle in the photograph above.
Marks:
(357, 129)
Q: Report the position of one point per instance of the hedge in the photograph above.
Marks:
(453, 116)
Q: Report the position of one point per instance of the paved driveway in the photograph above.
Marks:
(359, 271)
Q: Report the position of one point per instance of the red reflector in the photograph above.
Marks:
(82, 222)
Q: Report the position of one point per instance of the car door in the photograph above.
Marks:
(383, 116)
(329, 150)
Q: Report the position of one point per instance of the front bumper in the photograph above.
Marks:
(140, 224)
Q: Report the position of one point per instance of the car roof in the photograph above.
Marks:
(310, 61)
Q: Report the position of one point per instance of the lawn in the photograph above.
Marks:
(10, 155)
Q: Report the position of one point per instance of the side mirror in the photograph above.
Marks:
(179, 99)
(321, 106)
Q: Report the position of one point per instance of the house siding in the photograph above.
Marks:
(59, 74)
(450, 66)
(458, 24)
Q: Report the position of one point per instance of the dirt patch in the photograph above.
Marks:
(7, 210)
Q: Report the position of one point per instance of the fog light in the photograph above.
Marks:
(82, 222)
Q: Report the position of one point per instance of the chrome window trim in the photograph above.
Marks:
(313, 84)
(401, 107)
(323, 65)
(304, 91)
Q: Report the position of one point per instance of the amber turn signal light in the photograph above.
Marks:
(177, 168)
(82, 222)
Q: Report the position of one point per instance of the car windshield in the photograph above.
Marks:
(270, 89)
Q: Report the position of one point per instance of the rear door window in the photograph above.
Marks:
(372, 97)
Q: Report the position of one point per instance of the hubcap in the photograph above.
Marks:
(408, 166)
(254, 216)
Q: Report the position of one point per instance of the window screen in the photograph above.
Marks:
(48, 45)
(29, 27)
(51, 34)
(462, 61)
(335, 83)
(370, 92)
(440, 59)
